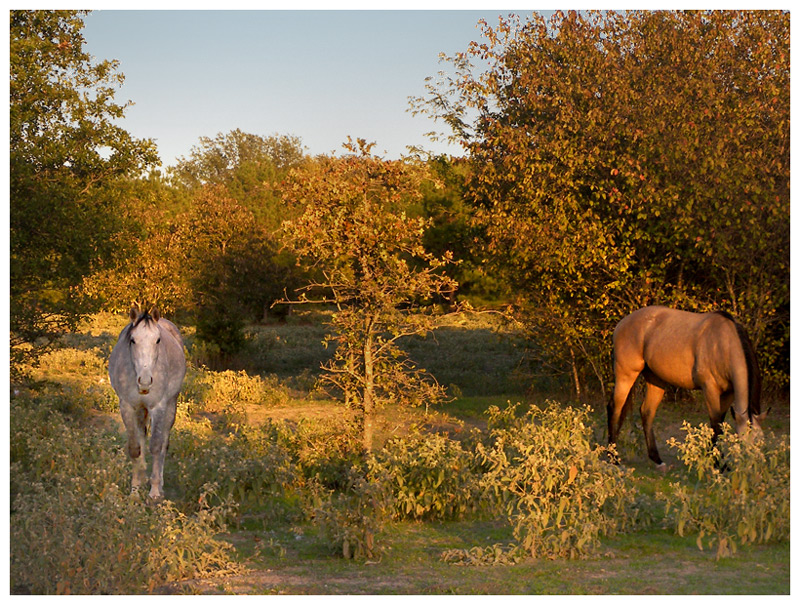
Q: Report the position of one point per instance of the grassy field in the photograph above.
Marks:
(279, 551)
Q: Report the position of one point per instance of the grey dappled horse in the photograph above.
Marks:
(707, 351)
(146, 368)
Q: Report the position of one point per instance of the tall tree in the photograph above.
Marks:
(372, 265)
(620, 160)
(65, 153)
(250, 166)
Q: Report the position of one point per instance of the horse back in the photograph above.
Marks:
(176, 359)
(172, 330)
(669, 342)
(684, 349)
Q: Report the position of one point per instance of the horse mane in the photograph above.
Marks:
(753, 371)
(144, 317)
(726, 315)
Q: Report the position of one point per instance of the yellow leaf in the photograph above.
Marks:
(573, 472)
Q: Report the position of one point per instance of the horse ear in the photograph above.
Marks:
(134, 314)
(155, 314)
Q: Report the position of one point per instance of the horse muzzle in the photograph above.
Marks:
(144, 384)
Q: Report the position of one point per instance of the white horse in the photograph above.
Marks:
(146, 369)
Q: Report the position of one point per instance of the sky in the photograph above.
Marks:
(319, 75)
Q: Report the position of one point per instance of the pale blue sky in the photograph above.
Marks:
(319, 75)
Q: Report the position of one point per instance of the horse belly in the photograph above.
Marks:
(675, 368)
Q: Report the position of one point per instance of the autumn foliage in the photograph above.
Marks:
(355, 235)
(626, 159)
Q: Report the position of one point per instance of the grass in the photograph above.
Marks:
(483, 364)
(658, 563)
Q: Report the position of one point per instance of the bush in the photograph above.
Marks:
(76, 529)
(249, 466)
(49, 447)
(228, 394)
(734, 492)
(430, 477)
(351, 518)
(558, 488)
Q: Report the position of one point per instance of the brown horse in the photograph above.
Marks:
(707, 351)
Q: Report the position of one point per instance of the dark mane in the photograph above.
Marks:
(726, 315)
(144, 317)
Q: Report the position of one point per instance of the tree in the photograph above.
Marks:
(453, 230)
(66, 153)
(251, 169)
(620, 160)
(152, 260)
(354, 233)
(249, 166)
(212, 261)
(233, 267)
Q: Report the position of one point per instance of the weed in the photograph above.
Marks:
(74, 529)
(430, 476)
(558, 489)
(734, 492)
(351, 518)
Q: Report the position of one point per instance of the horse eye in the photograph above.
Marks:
(133, 342)
(158, 341)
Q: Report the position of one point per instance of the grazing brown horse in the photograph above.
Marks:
(707, 351)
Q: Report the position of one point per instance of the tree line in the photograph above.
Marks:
(611, 160)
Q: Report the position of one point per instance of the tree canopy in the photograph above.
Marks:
(355, 234)
(626, 159)
(65, 154)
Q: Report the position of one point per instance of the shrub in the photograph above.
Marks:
(430, 477)
(734, 492)
(76, 529)
(50, 447)
(351, 518)
(558, 488)
(249, 466)
(325, 449)
(228, 394)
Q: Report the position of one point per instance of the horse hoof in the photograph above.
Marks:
(662, 468)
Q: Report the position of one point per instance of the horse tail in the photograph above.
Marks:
(753, 370)
(753, 373)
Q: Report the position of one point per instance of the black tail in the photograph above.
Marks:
(753, 373)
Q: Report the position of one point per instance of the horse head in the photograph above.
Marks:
(748, 425)
(144, 339)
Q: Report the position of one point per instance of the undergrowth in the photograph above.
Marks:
(732, 492)
(76, 528)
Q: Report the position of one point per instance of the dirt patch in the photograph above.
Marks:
(297, 581)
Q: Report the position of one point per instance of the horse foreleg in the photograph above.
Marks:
(135, 420)
(654, 393)
(162, 418)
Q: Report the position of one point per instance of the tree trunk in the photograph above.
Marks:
(575, 376)
(369, 389)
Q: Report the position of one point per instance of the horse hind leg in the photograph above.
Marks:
(620, 404)
(654, 393)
